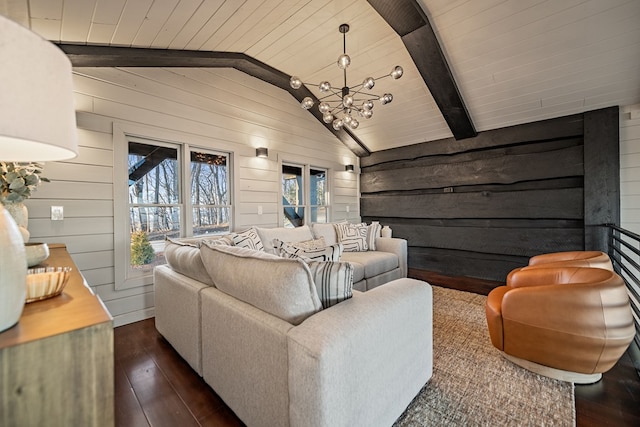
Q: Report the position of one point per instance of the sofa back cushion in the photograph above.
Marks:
(184, 258)
(326, 230)
(290, 235)
(282, 287)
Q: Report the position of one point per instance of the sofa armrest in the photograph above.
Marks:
(362, 361)
(396, 246)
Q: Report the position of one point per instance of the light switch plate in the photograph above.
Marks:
(57, 213)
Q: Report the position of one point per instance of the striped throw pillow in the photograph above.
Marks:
(373, 231)
(333, 280)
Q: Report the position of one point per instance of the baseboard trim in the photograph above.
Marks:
(460, 283)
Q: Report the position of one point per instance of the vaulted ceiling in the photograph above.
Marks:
(508, 61)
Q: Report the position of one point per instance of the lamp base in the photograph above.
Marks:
(13, 272)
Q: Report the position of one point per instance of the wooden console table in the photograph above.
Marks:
(56, 364)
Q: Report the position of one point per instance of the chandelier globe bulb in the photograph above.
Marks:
(337, 124)
(397, 72)
(347, 101)
(369, 83)
(295, 82)
(324, 107)
(344, 61)
(367, 105)
(327, 117)
(386, 98)
(353, 124)
(367, 114)
(324, 86)
(306, 103)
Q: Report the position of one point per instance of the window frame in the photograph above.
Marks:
(122, 135)
(306, 192)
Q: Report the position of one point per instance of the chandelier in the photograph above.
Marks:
(340, 106)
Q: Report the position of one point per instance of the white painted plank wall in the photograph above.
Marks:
(630, 167)
(219, 109)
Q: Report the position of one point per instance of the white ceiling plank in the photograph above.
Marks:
(194, 24)
(264, 27)
(154, 20)
(76, 20)
(132, 18)
(17, 10)
(179, 17)
(243, 19)
(100, 33)
(46, 9)
(108, 12)
(226, 10)
(47, 28)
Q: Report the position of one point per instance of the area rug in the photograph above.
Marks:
(472, 385)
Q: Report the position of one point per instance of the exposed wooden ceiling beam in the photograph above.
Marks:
(109, 56)
(408, 19)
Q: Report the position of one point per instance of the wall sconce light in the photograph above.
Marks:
(349, 168)
(262, 152)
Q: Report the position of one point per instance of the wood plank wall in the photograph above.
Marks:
(482, 206)
(220, 109)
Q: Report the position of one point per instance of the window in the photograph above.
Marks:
(158, 178)
(304, 195)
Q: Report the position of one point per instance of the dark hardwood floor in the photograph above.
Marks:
(155, 387)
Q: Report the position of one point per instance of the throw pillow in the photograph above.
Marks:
(311, 244)
(334, 281)
(248, 239)
(352, 236)
(328, 253)
(373, 232)
(226, 240)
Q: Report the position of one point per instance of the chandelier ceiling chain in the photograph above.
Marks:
(340, 105)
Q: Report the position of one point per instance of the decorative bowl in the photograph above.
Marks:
(36, 253)
(47, 282)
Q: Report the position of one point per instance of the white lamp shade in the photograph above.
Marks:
(37, 113)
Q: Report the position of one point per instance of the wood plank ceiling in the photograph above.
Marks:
(512, 61)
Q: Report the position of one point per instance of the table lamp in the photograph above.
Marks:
(37, 123)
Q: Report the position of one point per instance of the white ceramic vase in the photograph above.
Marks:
(13, 271)
(386, 231)
(20, 215)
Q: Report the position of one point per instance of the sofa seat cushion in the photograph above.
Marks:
(289, 235)
(282, 287)
(373, 263)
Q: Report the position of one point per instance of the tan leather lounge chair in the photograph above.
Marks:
(568, 323)
(595, 259)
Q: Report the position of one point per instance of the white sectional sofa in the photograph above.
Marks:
(252, 325)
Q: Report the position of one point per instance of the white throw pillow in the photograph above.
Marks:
(352, 236)
(248, 239)
(334, 281)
